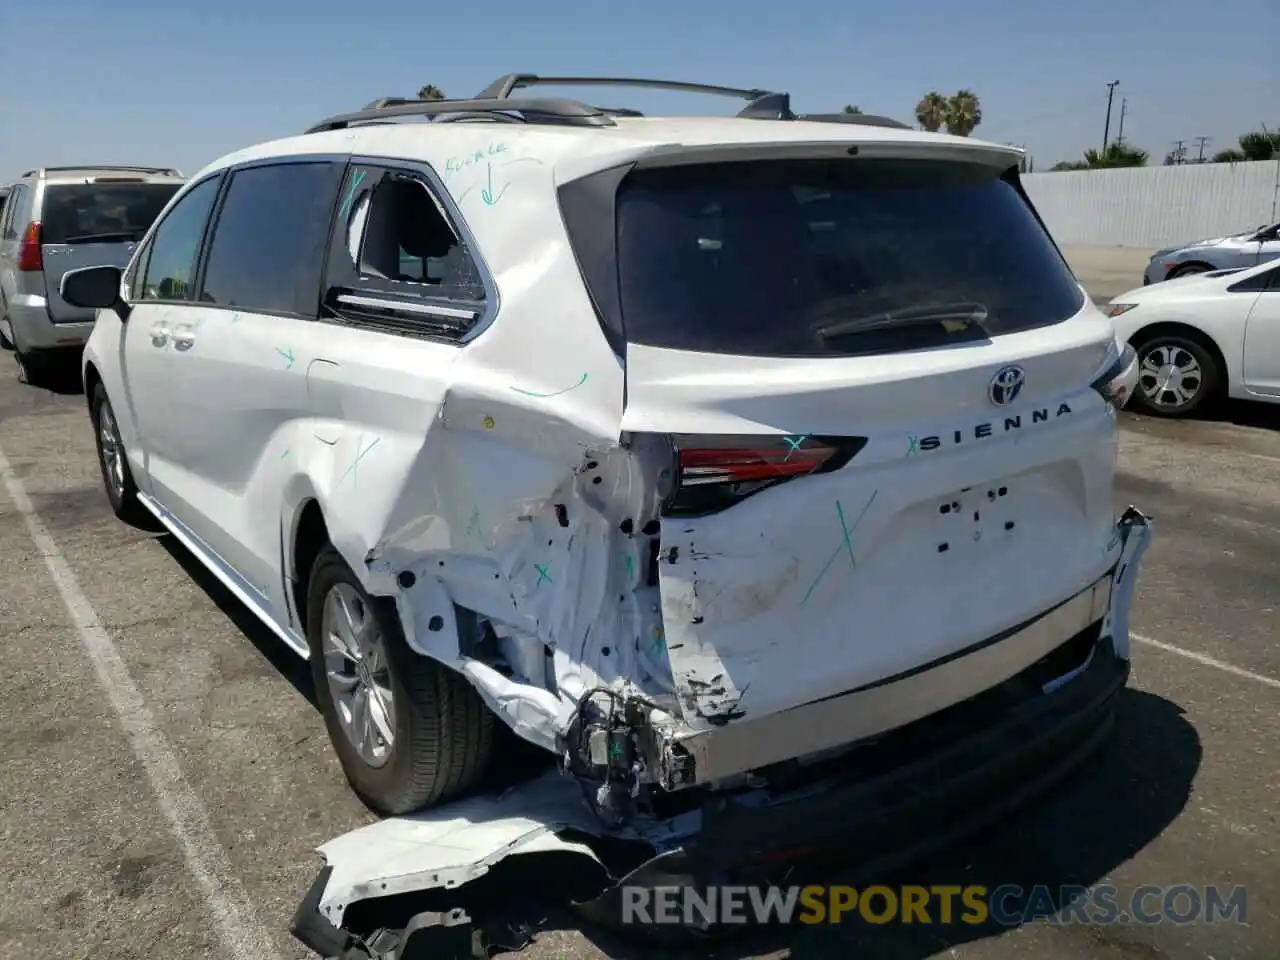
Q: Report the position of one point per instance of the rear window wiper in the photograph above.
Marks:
(102, 237)
(952, 317)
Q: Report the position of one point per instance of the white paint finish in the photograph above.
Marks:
(241, 936)
(1261, 362)
(1156, 206)
(722, 752)
(1207, 661)
(1244, 325)
(765, 607)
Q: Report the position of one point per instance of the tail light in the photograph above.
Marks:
(30, 258)
(713, 472)
(1119, 377)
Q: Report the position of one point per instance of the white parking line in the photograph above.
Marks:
(1206, 660)
(232, 912)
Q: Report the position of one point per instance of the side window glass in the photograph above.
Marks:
(407, 239)
(269, 242)
(136, 269)
(170, 261)
(11, 213)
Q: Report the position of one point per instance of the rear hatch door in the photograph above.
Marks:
(877, 377)
(91, 223)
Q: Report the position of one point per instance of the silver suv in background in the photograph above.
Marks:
(57, 219)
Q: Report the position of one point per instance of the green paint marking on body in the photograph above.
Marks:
(554, 393)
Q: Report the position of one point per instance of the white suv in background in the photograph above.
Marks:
(701, 452)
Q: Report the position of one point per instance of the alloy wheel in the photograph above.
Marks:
(357, 670)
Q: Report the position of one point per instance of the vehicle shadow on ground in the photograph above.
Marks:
(1247, 413)
(516, 760)
(290, 666)
(1117, 803)
(63, 377)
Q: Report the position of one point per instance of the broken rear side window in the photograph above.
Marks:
(827, 257)
(106, 213)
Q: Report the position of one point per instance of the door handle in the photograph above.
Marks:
(159, 335)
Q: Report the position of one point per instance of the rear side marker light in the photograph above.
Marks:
(30, 256)
(713, 472)
(1118, 380)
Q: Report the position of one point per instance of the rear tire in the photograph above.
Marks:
(1177, 375)
(442, 732)
(117, 478)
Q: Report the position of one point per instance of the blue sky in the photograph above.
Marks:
(145, 81)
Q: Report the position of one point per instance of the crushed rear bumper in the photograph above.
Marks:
(875, 809)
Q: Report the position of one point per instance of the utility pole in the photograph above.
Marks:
(1179, 152)
(1124, 108)
(1203, 141)
(1106, 132)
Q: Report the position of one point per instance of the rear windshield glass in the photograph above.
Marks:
(788, 258)
(102, 212)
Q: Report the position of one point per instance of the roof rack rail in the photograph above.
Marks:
(162, 171)
(532, 110)
(865, 119)
(763, 105)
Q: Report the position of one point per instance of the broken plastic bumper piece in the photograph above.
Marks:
(424, 882)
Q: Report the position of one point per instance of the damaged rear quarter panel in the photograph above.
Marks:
(492, 471)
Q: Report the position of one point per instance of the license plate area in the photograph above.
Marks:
(975, 518)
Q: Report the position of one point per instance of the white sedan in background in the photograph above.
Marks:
(1202, 337)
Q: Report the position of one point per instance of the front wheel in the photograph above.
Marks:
(117, 478)
(409, 732)
(1176, 376)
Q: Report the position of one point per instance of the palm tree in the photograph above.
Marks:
(963, 113)
(931, 112)
(431, 92)
(1116, 155)
(850, 108)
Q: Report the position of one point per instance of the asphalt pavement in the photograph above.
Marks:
(165, 776)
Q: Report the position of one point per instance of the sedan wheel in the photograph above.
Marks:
(1176, 376)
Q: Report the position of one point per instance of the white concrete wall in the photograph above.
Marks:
(1156, 206)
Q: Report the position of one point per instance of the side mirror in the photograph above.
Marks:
(93, 288)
